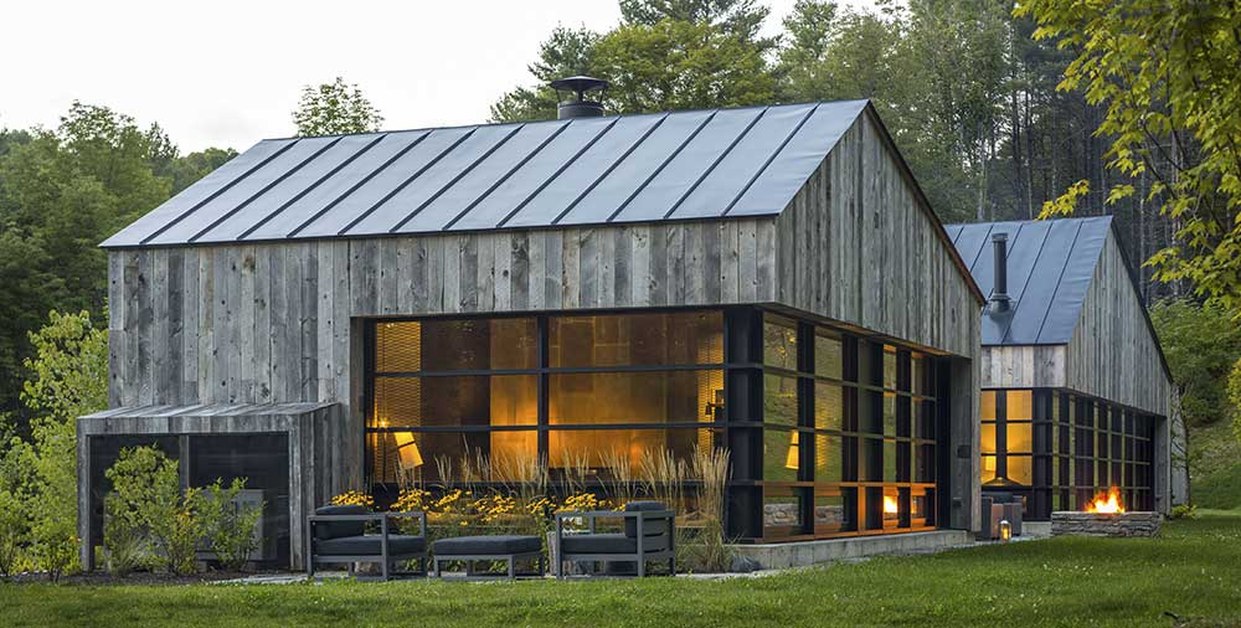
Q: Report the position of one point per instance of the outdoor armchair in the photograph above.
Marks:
(338, 535)
(649, 533)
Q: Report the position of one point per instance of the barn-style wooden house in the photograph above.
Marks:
(1076, 395)
(363, 311)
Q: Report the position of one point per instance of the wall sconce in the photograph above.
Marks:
(791, 460)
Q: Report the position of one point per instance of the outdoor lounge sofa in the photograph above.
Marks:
(648, 534)
(338, 535)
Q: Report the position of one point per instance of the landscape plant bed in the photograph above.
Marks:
(1193, 570)
(103, 578)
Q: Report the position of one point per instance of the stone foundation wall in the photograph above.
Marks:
(1100, 524)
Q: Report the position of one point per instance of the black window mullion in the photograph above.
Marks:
(543, 351)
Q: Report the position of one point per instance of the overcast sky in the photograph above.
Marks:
(228, 73)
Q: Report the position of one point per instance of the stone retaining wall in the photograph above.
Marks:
(1101, 524)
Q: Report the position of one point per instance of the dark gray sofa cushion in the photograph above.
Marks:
(478, 545)
(609, 544)
(649, 528)
(369, 545)
(335, 529)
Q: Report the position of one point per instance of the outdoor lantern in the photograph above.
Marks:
(1006, 531)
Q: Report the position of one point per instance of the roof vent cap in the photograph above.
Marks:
(579, 107)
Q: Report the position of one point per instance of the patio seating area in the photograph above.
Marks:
(646, 532)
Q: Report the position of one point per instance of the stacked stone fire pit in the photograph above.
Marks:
(1106, 523)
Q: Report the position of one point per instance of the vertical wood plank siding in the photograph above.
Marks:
(856, 247)
(1113, 353)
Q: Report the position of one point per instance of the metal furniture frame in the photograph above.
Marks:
(642, 519)
(511, 558)
(384, 558)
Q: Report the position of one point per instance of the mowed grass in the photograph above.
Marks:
(1193, 570)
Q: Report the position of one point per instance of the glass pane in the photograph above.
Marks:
(830, 512)
(828, 360)
(782, 513)
(779, 399)
(987, 410)
(1020, 405)
(828, 406)
(891, 462)
(589, 451)
(636, 339)
(781, 455)
(455, 401)
(1020, 438)
(889, 414)
(924, 419)
(398, 347)
(988, 469)
(924, 463)
(1019, 469)
(988, 438)
(634, 397)
(918, 363)
(779, 343)
(870, 467)
(450, 345)
(889, 367)
(827, 458)
(893, 509)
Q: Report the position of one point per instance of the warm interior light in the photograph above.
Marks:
(790, 461)
(1107, 502)
(411, 457)
(890, 505)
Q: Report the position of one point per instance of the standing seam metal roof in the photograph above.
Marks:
(619, 169)
(1050, 266)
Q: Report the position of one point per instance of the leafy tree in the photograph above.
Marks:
(335, 108)
(681, 65)
(1201, 343)
(194, 166)
(567, 52)
(69, 371)
(741, 18)
(1166, 74)
(1234, 396)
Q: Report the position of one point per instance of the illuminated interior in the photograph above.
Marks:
(844, 433)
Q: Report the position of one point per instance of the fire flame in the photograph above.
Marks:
(1107, 502)
(889, 505)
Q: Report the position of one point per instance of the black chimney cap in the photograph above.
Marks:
(579, 84)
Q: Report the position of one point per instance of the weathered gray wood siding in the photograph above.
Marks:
(1023, 366)
(264, 323)
(1113, 353)
(858, 246)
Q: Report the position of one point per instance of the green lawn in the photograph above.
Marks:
(1194, 570)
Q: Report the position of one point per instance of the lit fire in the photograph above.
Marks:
(889, 505)
(1107, 502)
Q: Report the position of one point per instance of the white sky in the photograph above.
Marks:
(228, 73)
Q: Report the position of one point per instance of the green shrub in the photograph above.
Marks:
(52, 501)
(230, 524)
(124, 538)
(14, 521)
(1234, 396)
(148, 489)
(1184, 511)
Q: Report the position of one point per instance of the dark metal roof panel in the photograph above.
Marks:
(642, 168)
(1050, 266)
(726, 178)
(202, 191)
(365, 165)
(786, 171)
